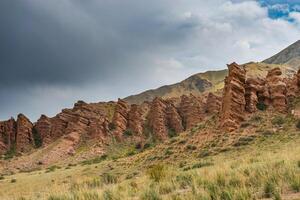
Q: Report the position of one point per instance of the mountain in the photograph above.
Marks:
(290, 56)
(195, 84)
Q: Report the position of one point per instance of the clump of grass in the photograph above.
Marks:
(108, 178)
(269, 189)
(52, 168)
(204, 153)
(150, 194)
(95, 183)
(184, 180)
(295, 183)
(13, 180)
(157, 172)
(191, 147)
(94, 160)
(2, 177)
(278, 120)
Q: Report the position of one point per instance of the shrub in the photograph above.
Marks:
(172, 133)
(128, 133)
(261, 106)
(204, 153)
(95, 160)
(1, 177)
(13, 180)
(191, 147)
(278, 120)
(111, 126)
(157, 172)
(201, 164)
(52, 168)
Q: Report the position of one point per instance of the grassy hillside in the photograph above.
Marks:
(260, 161)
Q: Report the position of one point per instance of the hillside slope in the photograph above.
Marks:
(195, 84)
(289, 56)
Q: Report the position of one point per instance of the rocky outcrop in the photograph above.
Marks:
(8, 130)
(255, 93)
(120, 118)
(277, 89)
(174, 121)
(43, 127)
(213, 104)
(191, 110)
(135, 120)
(157, 118)
(24, 137)
(233, 105)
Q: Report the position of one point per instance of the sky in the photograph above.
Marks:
(55, 52)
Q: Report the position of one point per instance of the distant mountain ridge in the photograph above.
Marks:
(288, 60)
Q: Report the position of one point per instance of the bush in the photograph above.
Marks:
(13, 180)
(191, 147)
(261, 106)
(172, 133)
(95, 160)
(278, 120)
(157, 172)
(111, 126)
(128, 133)
(52, 168)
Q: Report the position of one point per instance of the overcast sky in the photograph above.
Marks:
(55, 52)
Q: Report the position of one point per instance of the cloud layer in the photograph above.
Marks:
(55, 52)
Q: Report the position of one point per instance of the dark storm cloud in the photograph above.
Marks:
(70, 42)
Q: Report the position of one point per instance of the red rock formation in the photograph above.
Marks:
(43, 127)
(174, 121)
(88, 119)
(135, 120)
(277, 89)
(191, 110)
(213, 103)
(120, 118)
(254, 93)
(157, 118)
(24, 137)
(8, 131)
(233, 105)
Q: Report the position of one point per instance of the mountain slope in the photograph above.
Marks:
(195, 84)
(289, 56)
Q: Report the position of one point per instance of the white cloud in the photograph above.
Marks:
(295, 16)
